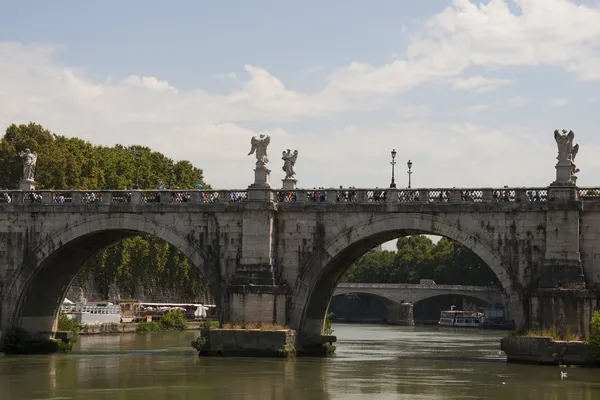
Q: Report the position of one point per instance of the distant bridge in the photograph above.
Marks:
(398, 293)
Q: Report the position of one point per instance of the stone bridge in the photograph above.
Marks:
(277, 255)
(406, 293)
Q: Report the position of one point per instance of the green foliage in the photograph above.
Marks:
(149, 327)
(209, 324)
(173, 320)
(70, 164)
(416, 258)
(328, 330)
(69, 325)
(199, 344)
(594, 339)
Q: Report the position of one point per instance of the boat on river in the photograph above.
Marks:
(460, 319)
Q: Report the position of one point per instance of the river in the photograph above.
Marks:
(371, 362)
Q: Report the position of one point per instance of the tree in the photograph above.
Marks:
(416, 258)
(134, 265)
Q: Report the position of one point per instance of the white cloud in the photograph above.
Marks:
(146, 82)
(346, 135)
(559, 101)
(479, 84)
(556, 33)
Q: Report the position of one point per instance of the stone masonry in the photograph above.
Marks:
(276, 256)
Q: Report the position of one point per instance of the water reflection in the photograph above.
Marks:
(372, 362)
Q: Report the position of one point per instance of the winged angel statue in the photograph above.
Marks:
(566, 150)
(289, 160)
(259, 147)
(29, 161)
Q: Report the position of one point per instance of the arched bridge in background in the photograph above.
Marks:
(409, 293)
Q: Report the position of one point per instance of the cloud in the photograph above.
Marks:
(146, 82)
(559, 101)
(345, 131)
(556, 33)
(479, 84)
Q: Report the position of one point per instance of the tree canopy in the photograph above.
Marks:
(418, 257)
(136, 266)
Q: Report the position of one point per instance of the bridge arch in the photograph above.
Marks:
(48, 269)
(323, 270)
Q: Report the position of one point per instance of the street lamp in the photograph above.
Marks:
(138, 157)
(170, 175)
(393, 184)
(409, 164)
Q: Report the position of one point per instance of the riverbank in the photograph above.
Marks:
(131, 327)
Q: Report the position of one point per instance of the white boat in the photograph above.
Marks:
(460, 319)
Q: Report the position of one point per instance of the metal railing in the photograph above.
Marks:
(338, 196)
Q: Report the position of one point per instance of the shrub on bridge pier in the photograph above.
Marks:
(594, 339)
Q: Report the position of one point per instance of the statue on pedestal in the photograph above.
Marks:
(259, 147)
(289, 160)
(565, 167)
(29, 161)
(261, 173)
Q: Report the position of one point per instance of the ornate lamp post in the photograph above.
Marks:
(170, 175)
(409, 164)
(138, 157)
(393, 184)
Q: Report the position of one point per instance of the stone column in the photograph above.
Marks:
(253, 295)
(562, 260)
(400, 314)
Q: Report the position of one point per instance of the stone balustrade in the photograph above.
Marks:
(338, 196)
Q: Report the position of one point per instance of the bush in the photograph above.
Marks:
(209, 324)
(149, 327)
(199, 344)
(328, 330)
(70, 325)
(173, 320)
(594, 339)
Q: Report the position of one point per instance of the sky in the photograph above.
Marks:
(470, 92)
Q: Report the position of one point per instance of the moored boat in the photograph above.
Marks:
(460, 319)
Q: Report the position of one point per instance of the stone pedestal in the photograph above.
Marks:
(562, 193)
(289, 183)
(564, 174)
(262, 178)
(27, 185)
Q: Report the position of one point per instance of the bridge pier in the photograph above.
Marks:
(567, 311)
(400, 314)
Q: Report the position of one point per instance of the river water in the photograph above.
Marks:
(371, 362)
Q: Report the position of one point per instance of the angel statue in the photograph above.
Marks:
(572, 156)
(259, 146)
(29, 160)
(564, 141)
(289, 160)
